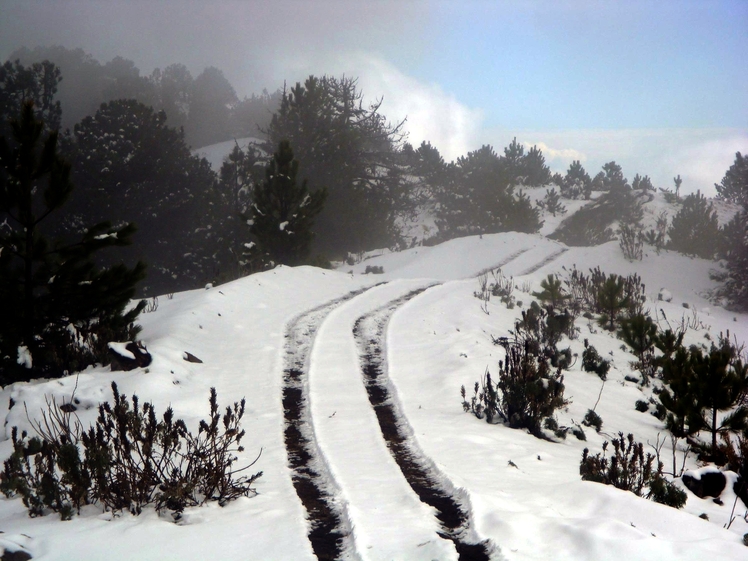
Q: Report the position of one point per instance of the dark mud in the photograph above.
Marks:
(329, 534)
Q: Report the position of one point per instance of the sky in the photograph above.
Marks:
(661, 86)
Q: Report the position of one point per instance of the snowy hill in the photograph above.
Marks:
(427, 334)
(216, 153)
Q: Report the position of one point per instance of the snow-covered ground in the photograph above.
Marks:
(535, 507)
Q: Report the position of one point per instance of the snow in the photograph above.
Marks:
(24, 357)
(436, 342)
(216, 153)
(120, 349)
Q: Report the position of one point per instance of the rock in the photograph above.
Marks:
(709, 484)
(18, 555)
(128, 356)
(189, 357)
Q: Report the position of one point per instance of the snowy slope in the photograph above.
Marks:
(435, 341)
(216, 153)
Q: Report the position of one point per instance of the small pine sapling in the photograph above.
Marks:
(593, 362)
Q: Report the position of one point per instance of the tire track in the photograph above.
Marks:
(552, 257)
(503, 263)
(330, 531)
(432, 487)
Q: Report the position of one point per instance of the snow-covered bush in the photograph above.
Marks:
(593, 362)
(527, 390)
(130, 460)
(629, 469)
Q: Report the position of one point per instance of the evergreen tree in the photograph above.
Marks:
(721, 380)
(553, 292)
(733, 248)
(695, 230)
(535, 171)
(612, 299)
(38, 83)
(642, 183)
(480, 197)
(131, 167)
(59, 311)
(282, 213)
(700, 385)
(577, 182)
(734, 185)
(209, 118)
(353, 152)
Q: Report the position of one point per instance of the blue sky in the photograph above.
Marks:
(659, 86)
(594, 64)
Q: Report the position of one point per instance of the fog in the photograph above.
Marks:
(659, 87)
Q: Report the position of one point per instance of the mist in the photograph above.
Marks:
(659, 88)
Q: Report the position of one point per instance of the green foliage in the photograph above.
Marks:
(590, 225)
(527, 389)
(630, 470)
(597, 293)
(353, 152)
(733, 248)
(479, 197)
(282, 213)
(130, 460)
(642, 183)
(695, 230)
(131, 167)
(552, 202)
(631, 242)
(577, 183)
(700, 385)
(592, 419)
(613, 300)
(664, 492)
(38, 83)
(552, 292)
(593, 362)
(641, 405)
(58, 308)
(734, 185)
(640, 333)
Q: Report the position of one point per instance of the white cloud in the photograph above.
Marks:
(699, 156)
(432, 114)
(557, 156)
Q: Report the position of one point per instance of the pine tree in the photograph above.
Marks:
(353, 152)
(733, 248)
(59, 311)
(553, 292)
(577, 182)
(612, 300)
(131, 167)
(721, 380)
(695, 229)
(38, 83)
(734, 185)
(282, 213)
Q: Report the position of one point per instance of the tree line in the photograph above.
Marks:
(330, 176)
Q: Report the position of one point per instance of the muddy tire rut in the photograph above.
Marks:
(451, 507)
(330, 532)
